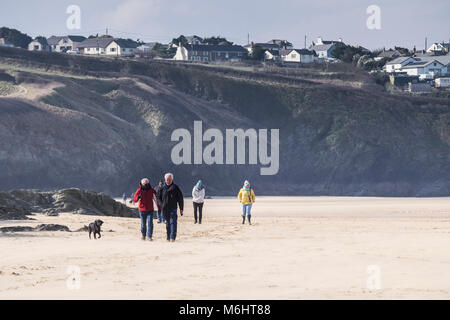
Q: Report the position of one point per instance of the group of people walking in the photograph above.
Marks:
(168, 198)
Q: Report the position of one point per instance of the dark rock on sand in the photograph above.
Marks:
(51, 227)
(16, 229)
(18, 204)
(41, 227)
(91, 203)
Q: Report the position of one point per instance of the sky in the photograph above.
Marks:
(403, 23)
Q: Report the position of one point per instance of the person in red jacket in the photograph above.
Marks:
(145, 195)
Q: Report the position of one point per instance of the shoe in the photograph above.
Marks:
(172, 240)
(195, 221)
(150, 239)
(143, 238)
(168, 239)
(200, 222)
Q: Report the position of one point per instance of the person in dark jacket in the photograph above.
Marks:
(170, 196)
(145, 195)
(159, 214)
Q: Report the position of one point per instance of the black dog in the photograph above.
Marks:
(95, 228)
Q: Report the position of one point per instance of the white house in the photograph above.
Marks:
(297, 55)
(108, 46)
(325, 48)
(397, 64)
(425, 68)
(439, 48)
(271, 55)
(64, 43)
(442, 82)
(38, 45)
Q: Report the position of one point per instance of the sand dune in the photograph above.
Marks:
(297, 248)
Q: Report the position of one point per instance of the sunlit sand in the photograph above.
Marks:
(297, 248)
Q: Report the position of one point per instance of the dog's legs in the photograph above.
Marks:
(90, 234)
(99, 235)
(95, 237)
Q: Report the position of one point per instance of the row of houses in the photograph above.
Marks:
(431, 64)
(79, 44)
(276, 50)
(424, 66)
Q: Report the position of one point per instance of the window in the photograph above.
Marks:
(112, 49)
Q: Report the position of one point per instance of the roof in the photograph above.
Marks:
(445, 60)
(388, 54)
(362, 48)
(443, 44)
(210, 47)
(76, 38)
(104, 42)
(273, 52)
(42, 41)
(96, 42)
(126, 43)
(285, 52)
(419, 64)
(399, 60)
(53, 40)
(322, 47)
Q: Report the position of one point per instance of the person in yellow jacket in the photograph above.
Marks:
(246, 197)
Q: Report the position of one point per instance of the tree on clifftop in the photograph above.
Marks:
(257, 53)
(217, 41)
(347, 53)
(16, 37)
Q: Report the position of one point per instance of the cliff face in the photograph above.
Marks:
(70, 121)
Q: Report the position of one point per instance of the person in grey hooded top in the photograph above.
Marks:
(198, 197)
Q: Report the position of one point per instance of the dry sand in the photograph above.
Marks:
(297, 248)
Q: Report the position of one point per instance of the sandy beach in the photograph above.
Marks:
(297, 248)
